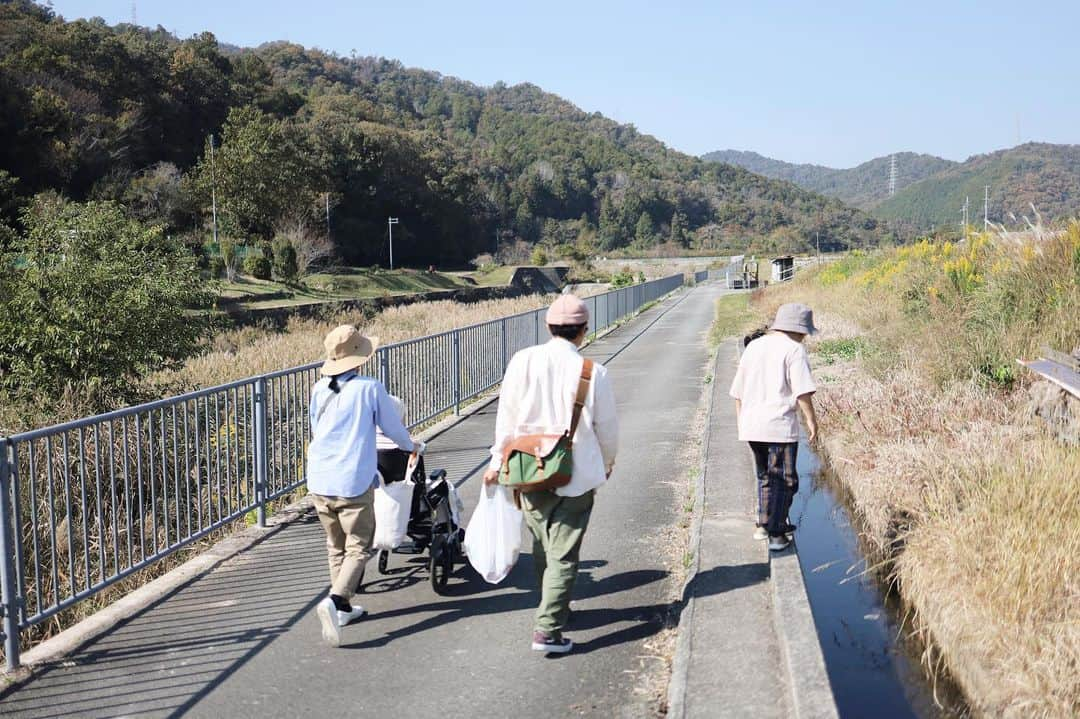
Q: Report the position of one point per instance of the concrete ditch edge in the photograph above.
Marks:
(680, 665)
(808, 681)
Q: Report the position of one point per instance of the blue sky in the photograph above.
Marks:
(834, 83)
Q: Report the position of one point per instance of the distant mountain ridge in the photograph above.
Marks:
(863, 186)
(1043, 175)
(930, 191)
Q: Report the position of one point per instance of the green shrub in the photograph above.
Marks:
(285, 267)
(95, 299)
(622, 278)
(539, 257)
(257, 266)
(215, 266)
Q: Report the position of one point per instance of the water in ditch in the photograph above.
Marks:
(873, 669)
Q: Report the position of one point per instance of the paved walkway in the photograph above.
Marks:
(243, 640)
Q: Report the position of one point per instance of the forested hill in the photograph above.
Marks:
(1044, 175)
(863, 186)
(98, 112)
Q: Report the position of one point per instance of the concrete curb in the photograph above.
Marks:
(69, 640)
(680, 665)
(808, 681)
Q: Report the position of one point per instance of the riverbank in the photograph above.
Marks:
(955, 483)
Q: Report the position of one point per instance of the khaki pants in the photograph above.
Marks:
(558, 525)
(350, 528)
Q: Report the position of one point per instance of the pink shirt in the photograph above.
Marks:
(774, 371)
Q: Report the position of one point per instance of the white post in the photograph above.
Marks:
(390, 222)
(213, 187)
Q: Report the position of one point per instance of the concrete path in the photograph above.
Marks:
(243, 641)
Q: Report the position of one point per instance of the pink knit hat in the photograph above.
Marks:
(567, 310)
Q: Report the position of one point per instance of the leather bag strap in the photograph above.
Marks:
(582, 393)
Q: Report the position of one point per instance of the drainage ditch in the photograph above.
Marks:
(873, 666)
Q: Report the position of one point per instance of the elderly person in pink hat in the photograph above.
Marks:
(346, 409)
(772, 381)
(538, 396)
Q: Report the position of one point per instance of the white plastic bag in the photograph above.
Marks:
(493, 537)
(393, 503)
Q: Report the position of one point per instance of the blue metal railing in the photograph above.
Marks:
(86, 503)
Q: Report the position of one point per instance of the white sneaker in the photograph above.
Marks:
(777, 544)
(346, 618)
(331, 624)
(761, 533)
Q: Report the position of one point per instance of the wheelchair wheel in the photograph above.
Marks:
(384, 559)
(441, 564)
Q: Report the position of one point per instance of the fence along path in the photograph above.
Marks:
(87, 503)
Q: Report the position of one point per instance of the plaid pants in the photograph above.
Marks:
(778, 481)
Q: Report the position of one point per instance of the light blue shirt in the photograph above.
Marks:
(342, 460)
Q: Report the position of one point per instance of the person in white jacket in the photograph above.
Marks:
(537, 397)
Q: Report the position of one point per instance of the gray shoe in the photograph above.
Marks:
(548, 644)
(779, 543)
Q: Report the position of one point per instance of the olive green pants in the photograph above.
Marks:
(558, 525)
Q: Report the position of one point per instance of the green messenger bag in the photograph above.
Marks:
(544, 461)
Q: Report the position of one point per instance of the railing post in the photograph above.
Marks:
(456, 335)
(8, 590)
(505, 345)
(384, 369)
(536, 321)
(262, 447)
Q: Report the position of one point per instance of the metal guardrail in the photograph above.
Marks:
(86, 503)
(701, 276)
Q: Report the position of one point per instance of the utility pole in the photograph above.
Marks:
(327, 194)
(817, 241)
(213, 187)
(986, 208)
(390, 222)
(892, 175)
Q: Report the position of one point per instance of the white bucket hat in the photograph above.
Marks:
(794, 317)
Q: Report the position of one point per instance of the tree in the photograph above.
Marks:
(679, 235)
(644, 232)
(259, 173)
(313, 248)
(94, 299)
(230, 255)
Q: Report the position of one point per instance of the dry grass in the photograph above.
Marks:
(251, 351)
(925, 421)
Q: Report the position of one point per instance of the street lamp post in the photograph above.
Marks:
(390, 222)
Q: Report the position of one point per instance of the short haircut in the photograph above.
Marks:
(566, 332)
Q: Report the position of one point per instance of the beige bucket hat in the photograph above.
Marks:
(346, 349)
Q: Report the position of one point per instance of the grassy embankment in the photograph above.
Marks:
(926, 419)
(348, 283)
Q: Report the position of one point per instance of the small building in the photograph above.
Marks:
(783, 268)
(741, 273)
